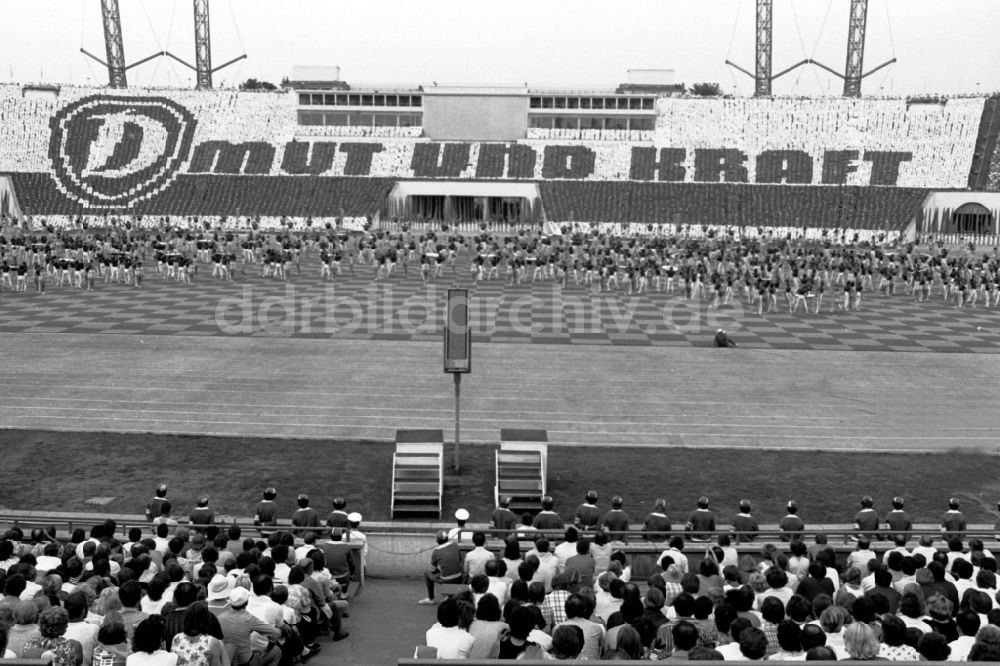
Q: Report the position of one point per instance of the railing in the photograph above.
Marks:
(67, 522)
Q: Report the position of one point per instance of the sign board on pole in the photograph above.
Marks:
(457, 336)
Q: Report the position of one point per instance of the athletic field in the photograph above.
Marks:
(357, 359)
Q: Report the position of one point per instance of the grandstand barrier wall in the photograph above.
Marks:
(401, 549)
(204, 152)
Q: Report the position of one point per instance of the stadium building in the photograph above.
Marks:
(635, 159)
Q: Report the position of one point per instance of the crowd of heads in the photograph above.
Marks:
(797, 600)
(187, 592)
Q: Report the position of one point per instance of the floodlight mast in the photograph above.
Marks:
(854, 72)
(203, 48)
(854, 68)
(762, 71)
(202, 45)
(113, 46)
(762, 75)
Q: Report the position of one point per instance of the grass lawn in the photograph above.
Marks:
(59, 471)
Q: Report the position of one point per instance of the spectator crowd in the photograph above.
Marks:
(574, 597)
(180, 596)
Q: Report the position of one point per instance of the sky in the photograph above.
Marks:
(950, 46)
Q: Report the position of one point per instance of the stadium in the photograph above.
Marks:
(218, 293)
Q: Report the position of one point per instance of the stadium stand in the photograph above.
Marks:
(985, 166)
(855, 164)
(856, 208)
(940, 137)
(266, 196)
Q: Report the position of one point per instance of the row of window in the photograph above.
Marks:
(622, 103)
(360, 119)
(592, 122)
(357, 99)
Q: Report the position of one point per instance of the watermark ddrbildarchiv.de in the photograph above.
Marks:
(389, 309)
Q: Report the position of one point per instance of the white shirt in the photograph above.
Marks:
(963, 584)
(901, 584)
(731, 652)
(548, 567)
(357, 536)
(563, 552)
(926, 551)
(48, 563)
(955, 555)
(781, 655)
(679, 558)
(265, 610)
(541, 639)
(86, 634)
(150, 607)
(499, 588)
(476, 559)
(451, 642)
(832, 574)
(606, 605)
(30, 590)
(960, 648)
(79, 546)
(798, 566)
(859, 560)
(835, 642)
(158, 658)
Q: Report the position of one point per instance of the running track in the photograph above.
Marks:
(157, 360)
(582, 395)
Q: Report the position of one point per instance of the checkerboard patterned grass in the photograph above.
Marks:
(405, 308)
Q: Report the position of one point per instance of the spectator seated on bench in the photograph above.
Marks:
(446, 567)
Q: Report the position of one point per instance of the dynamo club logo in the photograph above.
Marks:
(110, 152)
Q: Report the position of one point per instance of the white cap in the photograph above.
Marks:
(354, 517)
(461, 514)
(239, 597)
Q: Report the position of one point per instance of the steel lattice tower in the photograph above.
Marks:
(113, 44)
(202, 45)
(762, 75)
(854, 69)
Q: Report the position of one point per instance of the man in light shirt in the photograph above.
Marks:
(446, 636)
(548, 563)
(968, 624)
(567, 548)
(476, 559)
